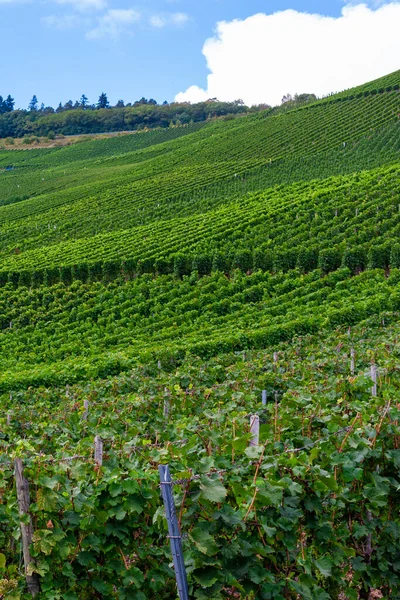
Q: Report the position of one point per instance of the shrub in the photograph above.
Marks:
(111, 269)
(379, 257)
(263, 259)
(162, 266)
(307, 259)
(25, 278)
(37, 278)
(220, 263)
(395, 256)
(129, 266)
(329, 260)
(182, 265)
(95, 271)
(145, 265)
(285, 260)
(202, 263)
(355, 259)
(243, 260)
(253, 294)
(66, 275)
(51, 276)
(13, 278)
(80, 272)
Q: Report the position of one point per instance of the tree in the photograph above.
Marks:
(287, 98)
(83, 101)
(33, 104)
(120, 104)
(9, 103)
(103, 101)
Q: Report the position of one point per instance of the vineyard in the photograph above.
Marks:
(161, 290)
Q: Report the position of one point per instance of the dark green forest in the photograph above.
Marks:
(81, 118)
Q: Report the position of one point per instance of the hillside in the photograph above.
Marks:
(166, 278)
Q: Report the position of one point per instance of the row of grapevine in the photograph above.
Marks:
(297, 510)
(360, 209)
(122, 192)
(63, 334)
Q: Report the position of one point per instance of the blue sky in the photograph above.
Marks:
(60, 49)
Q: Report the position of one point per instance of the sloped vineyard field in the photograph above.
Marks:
(154, 288)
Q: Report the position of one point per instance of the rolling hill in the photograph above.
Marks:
(152, 285)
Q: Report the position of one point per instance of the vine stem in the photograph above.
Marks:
(182, 505)
(346, 437)
(123, 558)
(258, 465)
(251, 504)
(380, 424)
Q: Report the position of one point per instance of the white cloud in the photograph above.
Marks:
(261, 58)
(157, 21)
(83, 5)
(162, 20)
(179, 18)
(113, 23)
(63, 22)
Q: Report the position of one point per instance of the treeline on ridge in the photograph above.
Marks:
(84, 120)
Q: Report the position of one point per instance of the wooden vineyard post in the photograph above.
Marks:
(32, 580)
(86, 407)
(374, 377)
(98, 450)
(352, 361)
(255, 430)
(175, 537)
(166, 405)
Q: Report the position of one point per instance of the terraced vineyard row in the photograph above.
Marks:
(110, 328)
(379, 148)
(122, 191)
(344, 211)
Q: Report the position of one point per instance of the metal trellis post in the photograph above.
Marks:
(174, 532)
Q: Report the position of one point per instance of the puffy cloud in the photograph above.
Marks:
(261, 58)
(84, 5)
(113, 23)
(162, 20)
